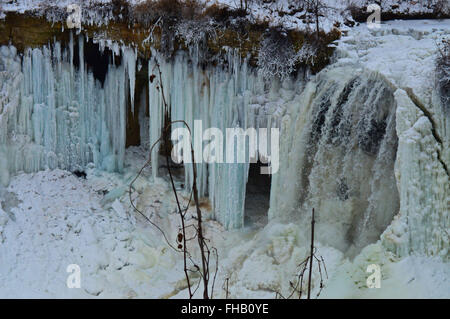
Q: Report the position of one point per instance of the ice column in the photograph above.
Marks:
(130, 57)
(421, 227)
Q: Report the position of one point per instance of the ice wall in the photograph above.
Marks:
(53, 114)
(421, 227)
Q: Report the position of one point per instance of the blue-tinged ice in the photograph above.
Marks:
(54, 115)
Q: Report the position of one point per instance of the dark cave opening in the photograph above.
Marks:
(96, 60)
(137, 135)
(257, 196)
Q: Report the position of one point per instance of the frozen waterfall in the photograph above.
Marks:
(343, 148)
(339, 140)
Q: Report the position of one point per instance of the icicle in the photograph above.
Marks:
(130, 57)
(156, 115)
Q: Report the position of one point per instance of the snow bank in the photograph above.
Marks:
(58, 222)
(123, 257)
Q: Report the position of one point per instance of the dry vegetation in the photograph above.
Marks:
(278, 52)
(432, 9)
(170, 25)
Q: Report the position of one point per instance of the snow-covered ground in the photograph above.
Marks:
(57, 219)
(403, 51)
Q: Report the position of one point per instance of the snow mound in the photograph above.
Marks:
(59, 222)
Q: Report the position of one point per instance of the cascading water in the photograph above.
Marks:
(339, 142)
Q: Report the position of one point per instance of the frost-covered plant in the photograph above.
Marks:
(52, 13)
(443, 73)
(165, 14)
(442, 8)
(193, 32)
(307, 53)
(314, 9)
(276, 57)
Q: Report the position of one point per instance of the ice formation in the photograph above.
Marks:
(421, 227)
(340, 138)
(130, 60)
(221, 98)
(423, 153)
(56, 115)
